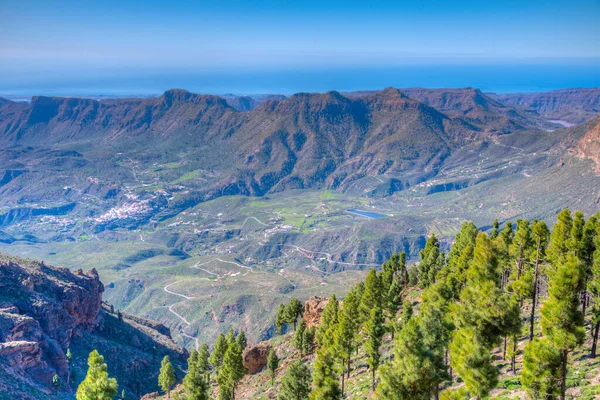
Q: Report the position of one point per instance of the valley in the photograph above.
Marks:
(204, 217)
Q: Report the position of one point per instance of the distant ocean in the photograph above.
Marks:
(500, 78)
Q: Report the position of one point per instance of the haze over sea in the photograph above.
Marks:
(503, 77)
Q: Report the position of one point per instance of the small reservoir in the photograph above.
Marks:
(367, 214)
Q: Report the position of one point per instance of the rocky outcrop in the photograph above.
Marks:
(313, 308)
(589, 145)
(41, 309)
(46, 310)
(255, 357)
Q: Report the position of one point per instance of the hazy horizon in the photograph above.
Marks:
(146, 47)
(503, 78)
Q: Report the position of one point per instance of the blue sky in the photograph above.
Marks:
(46, 43)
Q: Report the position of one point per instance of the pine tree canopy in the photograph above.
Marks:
(97, 385)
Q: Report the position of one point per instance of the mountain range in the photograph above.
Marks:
(185, 203)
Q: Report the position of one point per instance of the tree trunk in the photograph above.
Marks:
(563, 375)
(348, 369)
(595, 340)
(504, 351)
(535, 287)
(436, 392)
(513, 360)
(343, 376)
(583, 302)
(373, 379)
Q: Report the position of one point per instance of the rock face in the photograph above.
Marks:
(589, 145)
(313, 308)
(255, 358)
(46, 310)
(41, 309)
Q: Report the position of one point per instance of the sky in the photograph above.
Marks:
(240, 46)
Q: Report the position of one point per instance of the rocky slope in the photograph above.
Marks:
(589, 145)
(46, 310)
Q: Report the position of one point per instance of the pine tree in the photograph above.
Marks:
(325, 377)
(231, 372)
(403, 271)
(166, 378)
(465, 239)
(230, 337)
(407, 313)
(272, 364)
(436, 326)
(413, 276)
(308, 342)
(374, 331)
(195, 385)
(241, 340)
(495, 229)
(389, 271)
(329, 319)
(97, 385)
(520, 250)
(393, 300)
(372, 296)
(585, 252)
(411, 374)
(293, 310)
(519, 279)
(558, 245)
(562, 320)
(280, 318)
(347, 329)
(295, 384)
(203, 357)
(430, 263)
(541, 370)
(540, 237)
(594, 288)
(473, 361)
(299, 337)
(216, 358)
(482, 316)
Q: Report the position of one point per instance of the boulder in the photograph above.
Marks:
(255, 357)
(313, 308)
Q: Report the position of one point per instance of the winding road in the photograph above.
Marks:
(181, 317)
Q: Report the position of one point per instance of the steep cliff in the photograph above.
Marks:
(46, 310)
(589, 145)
